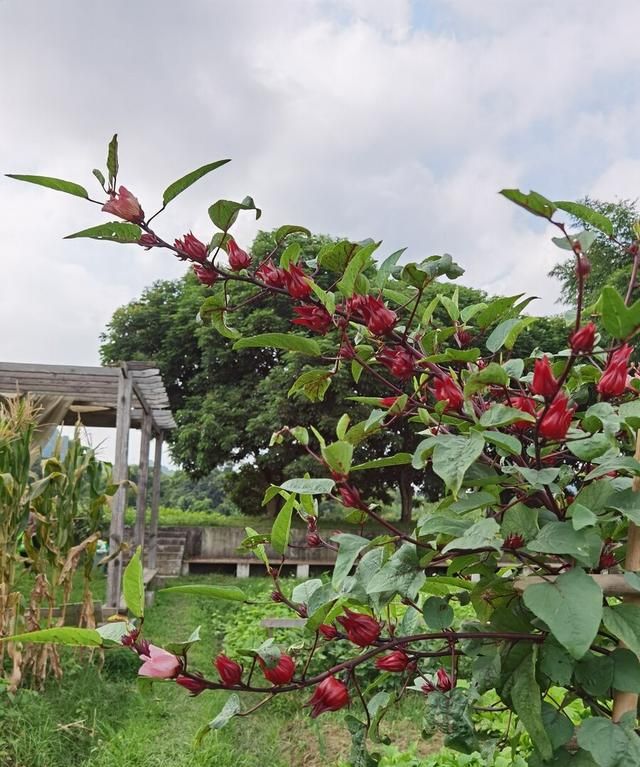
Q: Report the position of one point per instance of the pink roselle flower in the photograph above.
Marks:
(124, 205)
(160, 664)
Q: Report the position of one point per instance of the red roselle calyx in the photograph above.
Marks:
(555, 423)
(513, 541)
(614, 379)
(330, 695)
(328, 631)
(230, 672)
(379, 319)
(351, 497)
(296, 282)
(148, 240)
(195, 685)
(399, 361)
(238, 259)
(205, 275)
(277, 596)
(447, 390)
(527, 405)
(395, 661)
(124, 205)
(583, 267)
(583, 339)
(270, 274)
(313, 540)
(191, 247)
(444, 681)
(281, 673)
(361, 629)
(543, 382)
(316, 318)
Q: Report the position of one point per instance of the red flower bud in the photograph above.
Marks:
(313, 540)
(270, 274)
(330, 695)
(296, 282)
(428, 687)
(281, 673)
(238, 258)
(316, 318)
(543, 382)
(194, 685)
(361, 629)
(447, 390)
(230, 672)
(148, 240)
(607, 560)
(464, 338)
(388, 401)
(583, 267)
(398, 361)
(124, 205)
(513, 541)
(277, 596)
(527, 405)
(191, 247)
(583, 339)
(351, 498)
(396, 661)
(444, 681)
(346, 351)
(614, 379)
(205, 275)
(555, 424)
(328, 631)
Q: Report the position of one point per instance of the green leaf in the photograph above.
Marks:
(493, 374)
(561, 538)
(305, 486)
(386, 268)
(313, 384)
(626, 670)
(58, 184)
(472, 501)
(399, 459)
(303, 591)
(182, 648)
(619, 320)
(101, 179)
(595, 673)
(485, 533)
(438, 613)
(133, 584)
(282, 526)
(633, 579)
(65, 635)
(497, 308)
(112, 161)
(229, 710)
(587, 215)
(113, 231)
(287, 229)
(230, 593)
(338, 456)
(557, 724)
(420, 275)
(571, 607)
(224, 213)
(173, 190)
(627, 502)
(402, 574)
(214, 311)
(623, 621)
(506, 442)
(286, 341)
(533, 202)
(586, 449)
(611, 745)
(349, 546)
(507, 332)
(555, 662)
(520, 520)
(255, 543)
(358, 263)
(453, 455)
(527, 702)
(501, 415)
(581, 516)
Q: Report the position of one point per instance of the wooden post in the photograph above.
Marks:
(143, 474)
(623, 702)
(152, 549)
(120, 473)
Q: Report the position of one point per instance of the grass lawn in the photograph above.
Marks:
(97, 718)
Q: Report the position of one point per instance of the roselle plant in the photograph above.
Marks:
(536, 526)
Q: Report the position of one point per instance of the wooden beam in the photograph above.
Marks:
(152, 548)
(119, 500)
(143, 474)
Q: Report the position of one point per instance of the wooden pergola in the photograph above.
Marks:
(130, 395)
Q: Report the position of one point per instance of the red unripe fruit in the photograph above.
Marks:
(583, 267)
(527, 405)
(447, 390)
(444, 681)
(395, 661)
(316, 318)
(148, 240)
(614, 379)
(513, 541)
(313, 540)
(399, 361)
(555, 424)
(238, 258)
(230, 672)
(361, 629)
(194, 685)
(330, 695)
(205, 275)
(296, 282)
(328, 631)
(281, 673)
(351, 497)
(191, 247)
(583, 339)
(543, 382)
(270, 274)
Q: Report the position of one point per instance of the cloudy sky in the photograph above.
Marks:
(393, 119)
